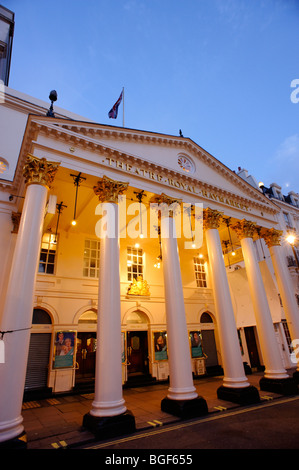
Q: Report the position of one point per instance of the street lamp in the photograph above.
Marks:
(291, 239)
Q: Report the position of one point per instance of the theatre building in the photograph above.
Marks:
(129, 256)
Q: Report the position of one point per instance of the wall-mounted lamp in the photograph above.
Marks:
(77, 180)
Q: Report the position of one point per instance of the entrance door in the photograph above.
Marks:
(209, 347)
(86, 355)
(38, 361)
(137, 353)
(252, 347)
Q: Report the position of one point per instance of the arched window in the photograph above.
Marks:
(206, 318)
(88, 317)
(41, 317)
(136, 318)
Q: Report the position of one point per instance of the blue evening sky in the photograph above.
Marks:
(220, 70)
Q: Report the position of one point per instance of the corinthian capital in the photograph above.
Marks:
(108, 190)
(244, 229)
(211, 218)
(168, 205)
(39, 171)
(271, 236)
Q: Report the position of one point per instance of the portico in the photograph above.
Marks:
(120, 162)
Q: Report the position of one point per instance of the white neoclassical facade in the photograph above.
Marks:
(130, 255)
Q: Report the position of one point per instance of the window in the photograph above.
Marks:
(91, 260)
(134, 263)
(41, 317)
(279, 195)
(48, 254)
(200, 273)
(286, 218)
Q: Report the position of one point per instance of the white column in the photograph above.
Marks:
(5, 246)
(179, 358)
(234, 375)
(108, 400)
(284, 283)
(16, 319)
(274, 368)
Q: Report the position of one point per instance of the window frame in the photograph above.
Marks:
(91, 255)
(46, 251)
(200, 274)
(135, 268)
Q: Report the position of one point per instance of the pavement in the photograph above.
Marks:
(56, 422)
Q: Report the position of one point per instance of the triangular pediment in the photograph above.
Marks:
(173, 161)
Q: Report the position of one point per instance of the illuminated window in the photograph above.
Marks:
(47, 254)
(134, 263)
(91, 262)
(200, 272)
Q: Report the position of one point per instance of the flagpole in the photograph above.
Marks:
(123, 107)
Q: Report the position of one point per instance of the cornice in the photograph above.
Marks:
(86, 135)
(185, 143)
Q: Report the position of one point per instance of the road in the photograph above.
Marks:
(271, 425)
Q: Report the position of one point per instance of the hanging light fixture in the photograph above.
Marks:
(139, 196)
(226, 243)
(59, 210)
(258, 229)
(189, 210)
(227, 221)
(159, 257)
(77, 181)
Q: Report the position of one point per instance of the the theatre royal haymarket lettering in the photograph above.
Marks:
(128, 167)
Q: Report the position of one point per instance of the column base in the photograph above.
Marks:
(296, 376)
(286, 386)
(242, 395)
(185, 409)
(18, 442)
(105, 427)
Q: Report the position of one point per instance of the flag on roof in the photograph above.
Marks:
(114, 110)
